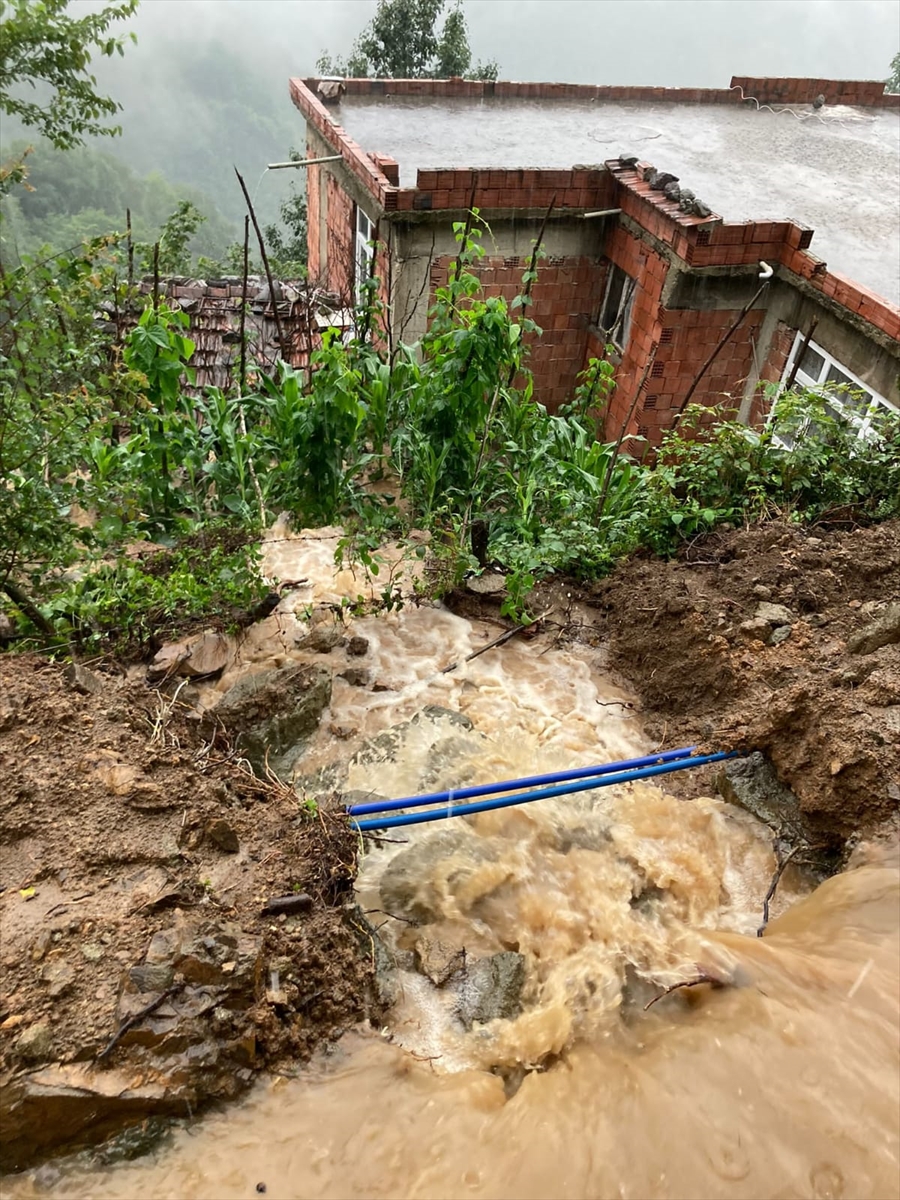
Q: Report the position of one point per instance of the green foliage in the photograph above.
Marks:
(41, 45)
(56, 384)
(402, 41)
(101, 446)
(122, 606)
(892, 83)
(810, 460)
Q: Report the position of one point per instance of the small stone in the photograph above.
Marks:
(774, 614)
(35, 1043)
(42, 944)
(357, 646)
(196, 657)
(59, 976)
(163, 948)
(344, 732)
(628, 160)
(756, 629)
(661, 180)
(223, 835)
(761, 592)
(883, 631)
(492, 989)
(356, 676)
(81, 680)
(151, 977)
(13, 1022)
(489, 583)
(781, 634)
(672, 192)
(92, 951)
(438, 961)
(700, 209)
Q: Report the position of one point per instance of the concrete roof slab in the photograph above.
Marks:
(836, 169)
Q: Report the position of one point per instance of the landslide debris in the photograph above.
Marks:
(136, 856)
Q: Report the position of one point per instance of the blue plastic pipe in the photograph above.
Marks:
(464, 810)
(512, 785)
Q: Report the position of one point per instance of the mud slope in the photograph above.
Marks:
(136, 860)
(777, 639)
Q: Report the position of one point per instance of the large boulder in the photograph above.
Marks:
(274, 713)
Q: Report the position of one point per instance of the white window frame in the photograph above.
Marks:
(365, 233)
(622, 315)
(816, 380)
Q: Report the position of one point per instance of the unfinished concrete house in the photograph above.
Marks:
(636, 253)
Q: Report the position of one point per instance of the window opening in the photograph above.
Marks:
(615, 311)
(847, 397)
(365, 232)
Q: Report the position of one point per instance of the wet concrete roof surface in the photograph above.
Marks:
(836, 170)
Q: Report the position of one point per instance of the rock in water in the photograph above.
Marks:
(275, 713)
(492, 989)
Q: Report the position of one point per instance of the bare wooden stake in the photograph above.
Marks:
(130, 245)
(242, 377)
(262, 250)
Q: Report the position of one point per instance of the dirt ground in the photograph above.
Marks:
(823, 704)
(123, 829)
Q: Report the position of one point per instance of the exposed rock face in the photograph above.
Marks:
(414, 882)
(195, 1045)
(751, 783)
(447, 744)
(274, 713)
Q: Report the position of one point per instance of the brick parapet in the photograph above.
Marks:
(861, 93)
(367, 172)
(712, 242)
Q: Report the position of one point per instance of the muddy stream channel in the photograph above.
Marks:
(519, 1058)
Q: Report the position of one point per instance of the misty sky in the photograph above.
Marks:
(661, 42)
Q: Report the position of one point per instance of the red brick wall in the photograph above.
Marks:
(340, 242)
(579, 188)
(772, 369)
(565, 301)
(313, 217)
(687, 337)
(643, 264)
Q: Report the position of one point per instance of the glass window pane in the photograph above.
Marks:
(614, 291)
(836, 375)
(812, 363)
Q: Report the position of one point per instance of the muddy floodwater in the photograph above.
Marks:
(782, 1081)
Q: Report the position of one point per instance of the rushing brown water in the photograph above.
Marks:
(783, 1083)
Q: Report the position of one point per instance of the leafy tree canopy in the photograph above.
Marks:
(403, 41)
(893, 80)
(45, 49)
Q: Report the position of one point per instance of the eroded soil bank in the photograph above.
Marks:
(138, 854)
(137, 858)
(777, 639)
